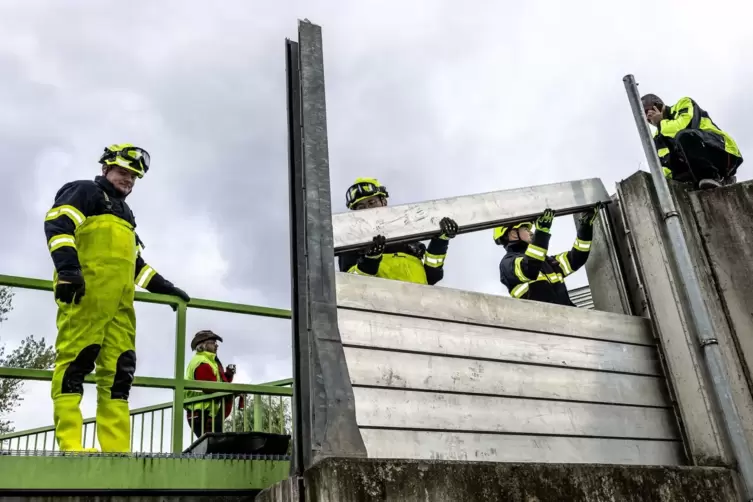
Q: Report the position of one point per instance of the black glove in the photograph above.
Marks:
(448, 227)
(544, 222)
(72, 290)
(230, 370)
(162, 286)
(176, 291)
(589, 217)
(376, 248)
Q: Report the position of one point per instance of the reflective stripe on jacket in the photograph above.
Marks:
(686, 114)
(529, 273)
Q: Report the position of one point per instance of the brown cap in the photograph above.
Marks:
(203, 336)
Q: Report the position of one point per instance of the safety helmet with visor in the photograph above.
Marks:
(127, 156)
(362, 189)
(502, 234)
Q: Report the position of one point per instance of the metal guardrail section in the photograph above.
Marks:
(148, 424)
(178, 384)
(439, 373)
(354, 229)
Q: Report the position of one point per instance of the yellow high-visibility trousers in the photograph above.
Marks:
(98, 334)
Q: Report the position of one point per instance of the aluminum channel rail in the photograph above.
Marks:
(417, 221)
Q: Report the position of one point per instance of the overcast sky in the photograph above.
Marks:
(435, 98)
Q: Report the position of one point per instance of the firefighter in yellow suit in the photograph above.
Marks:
(407, 261)
(91, 236)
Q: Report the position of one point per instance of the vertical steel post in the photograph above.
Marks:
(180, 368)
(697, 309)
(301, 407)
(324, 395)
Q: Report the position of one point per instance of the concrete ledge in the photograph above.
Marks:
(372, 480)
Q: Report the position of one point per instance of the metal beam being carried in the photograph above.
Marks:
(416, 221)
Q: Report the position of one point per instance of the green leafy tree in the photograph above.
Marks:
(32, 354)
(275, 416)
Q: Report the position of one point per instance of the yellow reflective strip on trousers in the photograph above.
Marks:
(74, 214)
(60, 241)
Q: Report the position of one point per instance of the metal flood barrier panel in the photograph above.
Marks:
(439, 373)
(407, 222)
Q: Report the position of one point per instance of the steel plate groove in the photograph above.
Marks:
(398, 370)
(432, 302)
(415, 410)
(386, 443)
(372, 329)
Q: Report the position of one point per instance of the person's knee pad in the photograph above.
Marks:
(75, 373)
(124, 371)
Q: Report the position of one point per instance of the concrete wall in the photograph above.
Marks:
(439, 373)
(644, 247)
(340, 480)
(725, 225)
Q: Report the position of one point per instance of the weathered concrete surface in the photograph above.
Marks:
(129, 498)
(725, 220)
(694, 230)
(604, 267)
(682, 359)
(718, 231)
(372, 480)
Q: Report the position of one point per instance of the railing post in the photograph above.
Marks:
(257, 413)
(180, 364)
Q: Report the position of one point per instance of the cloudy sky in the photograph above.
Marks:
(435, 98)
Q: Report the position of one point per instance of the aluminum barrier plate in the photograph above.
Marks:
(354, 229)
(439, 373)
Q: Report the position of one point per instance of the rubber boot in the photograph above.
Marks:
(113, 425)
(69, 423)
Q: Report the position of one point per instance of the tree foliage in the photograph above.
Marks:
(276, 416)
(31, 353)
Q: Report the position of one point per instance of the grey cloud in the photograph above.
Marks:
(434, 99)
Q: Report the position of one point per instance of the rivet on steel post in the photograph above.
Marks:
(697, 310)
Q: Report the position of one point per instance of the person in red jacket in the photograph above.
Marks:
(209, 415)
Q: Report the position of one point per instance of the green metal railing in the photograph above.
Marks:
(178, 384)
(267, 416)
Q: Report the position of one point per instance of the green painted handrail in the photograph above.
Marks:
(178, 384)
(153, 407)
(197, 303)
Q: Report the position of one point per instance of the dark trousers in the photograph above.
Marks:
(202, 422)
(697, 155)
